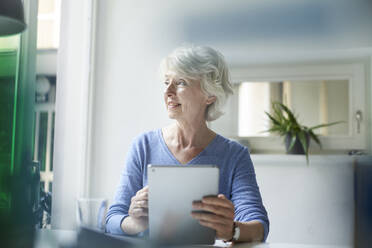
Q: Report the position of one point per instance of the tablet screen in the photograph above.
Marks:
(172, 189)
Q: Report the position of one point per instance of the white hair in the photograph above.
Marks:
(207, 65)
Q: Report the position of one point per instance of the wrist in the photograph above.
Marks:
(134, 226)
(235, 233)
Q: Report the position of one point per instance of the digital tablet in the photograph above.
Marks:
(172, 189)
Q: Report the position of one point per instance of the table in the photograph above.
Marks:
(286, 245)
(46, 238)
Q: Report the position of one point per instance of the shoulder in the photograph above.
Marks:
(142, 143)
(147, 137)
(226, 145)
(235, 155)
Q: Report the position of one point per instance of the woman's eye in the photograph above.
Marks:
(182, 83)
(166, 82)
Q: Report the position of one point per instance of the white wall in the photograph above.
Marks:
(228, 123)
(132, 37)
(310, 204)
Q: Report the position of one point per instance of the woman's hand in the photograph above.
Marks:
(138, 219)
(220, 218)
(139, 204)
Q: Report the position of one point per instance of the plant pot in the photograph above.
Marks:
(297, 147)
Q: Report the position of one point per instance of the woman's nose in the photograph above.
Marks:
(170, 89)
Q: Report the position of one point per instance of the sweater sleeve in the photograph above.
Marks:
(245, 193)
(130, 182)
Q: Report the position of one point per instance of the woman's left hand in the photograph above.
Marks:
(220, 218)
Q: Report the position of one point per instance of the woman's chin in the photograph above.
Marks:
(172, 115)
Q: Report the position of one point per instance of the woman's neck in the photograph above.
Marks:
(189, 135)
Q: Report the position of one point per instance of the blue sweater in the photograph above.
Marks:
(237, 177)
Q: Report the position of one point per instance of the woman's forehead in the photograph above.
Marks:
(170, 74)
(173, 74)
(177, 75)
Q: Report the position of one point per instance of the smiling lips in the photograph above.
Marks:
(172, 105)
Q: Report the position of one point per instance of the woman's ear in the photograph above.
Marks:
(211, 99)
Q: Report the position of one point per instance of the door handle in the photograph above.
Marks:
(359, 118)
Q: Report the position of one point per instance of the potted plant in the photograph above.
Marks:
(297, 136)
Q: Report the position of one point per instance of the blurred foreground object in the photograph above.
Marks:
(19, 176)
(363, 202)
(11, 17)
(91, 213)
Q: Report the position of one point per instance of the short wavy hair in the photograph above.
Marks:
(207, 65)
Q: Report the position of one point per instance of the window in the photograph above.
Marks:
(317, 93)
(48, 24)
(47, 44)
(318, 101)
(44, 133)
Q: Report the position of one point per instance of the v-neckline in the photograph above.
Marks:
(171, 155)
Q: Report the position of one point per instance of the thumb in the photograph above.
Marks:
(221, 196)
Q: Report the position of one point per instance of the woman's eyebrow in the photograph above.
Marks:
(167, 76)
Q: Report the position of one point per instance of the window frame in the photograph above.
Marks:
(354, 71)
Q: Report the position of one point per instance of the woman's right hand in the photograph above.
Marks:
(138, 220)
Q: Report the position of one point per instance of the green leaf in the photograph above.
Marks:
(278, 112)
(326, 125)
(315, 138)
(302, 138)
(293, 141)
(276, 122)
(291, 116)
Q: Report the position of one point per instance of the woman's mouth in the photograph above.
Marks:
(173, 105)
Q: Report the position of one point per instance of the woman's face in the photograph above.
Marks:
(184, 98)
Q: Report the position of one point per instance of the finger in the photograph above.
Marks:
(227, 212)
(219, 200)
(144, 194)
(141, 196)
(141, 191)
(145, 189)
(139, 212)
(223, 202)
(141, 204)
(218, 210)
(211, 218)
(222, 196)
(214, 226)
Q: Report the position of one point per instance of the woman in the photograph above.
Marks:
(196, 81)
